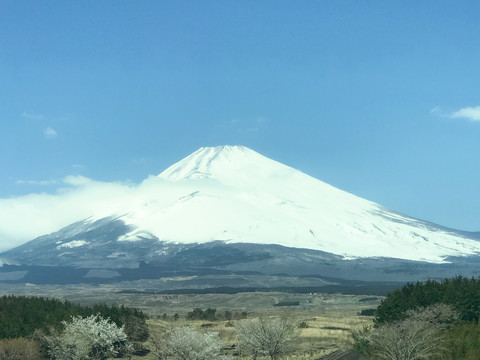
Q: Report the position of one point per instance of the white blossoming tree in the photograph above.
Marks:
(92, 337)
(185, 343)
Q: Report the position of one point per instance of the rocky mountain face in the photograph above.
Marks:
(230, 210)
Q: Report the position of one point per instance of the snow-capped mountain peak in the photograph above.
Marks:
(234, 195)
(227, 164)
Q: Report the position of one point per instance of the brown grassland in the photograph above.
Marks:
(330, 317)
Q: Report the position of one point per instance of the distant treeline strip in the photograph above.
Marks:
(379, 289)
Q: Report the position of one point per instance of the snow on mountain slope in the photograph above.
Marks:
(233, 194)
(236, 166)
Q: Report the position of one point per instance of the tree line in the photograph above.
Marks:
(461, 293)
(211, 314)
(43, 324)
(426, 320)
(20, 316)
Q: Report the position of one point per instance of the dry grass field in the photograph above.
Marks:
(330, 317)
(328, 330)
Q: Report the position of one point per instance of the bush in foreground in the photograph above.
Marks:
(87, 338)
(19, 349)
(264, 336)
(186, 343)
(419, 336)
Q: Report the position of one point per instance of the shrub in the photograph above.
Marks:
(199, 314)
(417, 337)
(462, 341)
(19, 349)
(185, 343)
(86, 338)
(264, 336)
(303, 325)
(368, 312)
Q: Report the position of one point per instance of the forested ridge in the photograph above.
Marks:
(426, 320)
(462, 293)
(20, 316)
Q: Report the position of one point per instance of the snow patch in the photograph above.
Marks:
(4, 262)
(117, 254)
(72, 244)
(137, 236)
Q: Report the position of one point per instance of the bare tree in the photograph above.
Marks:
(418, 337)
(186, 343)
(264, 336)
(406, 340)
(440, 315)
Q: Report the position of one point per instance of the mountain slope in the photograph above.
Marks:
(233, 195)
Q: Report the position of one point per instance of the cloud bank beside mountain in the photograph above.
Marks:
(29, 216)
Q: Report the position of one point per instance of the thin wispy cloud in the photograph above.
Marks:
(469, 113)
(140, 160)
(437, 111)
(42, 120)
(257, 124)
(37, 182)
(252, 125)
(79, 167)
(33, 116)
(50, 133)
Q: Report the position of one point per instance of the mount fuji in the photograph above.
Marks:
(228, 209)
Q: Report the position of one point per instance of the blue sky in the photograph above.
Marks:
(379, 98)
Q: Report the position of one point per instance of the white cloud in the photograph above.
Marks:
(50, 133)
(77, 180)
(27, 217)
(469, 113)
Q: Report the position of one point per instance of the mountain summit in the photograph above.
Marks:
(233, 195)
(232, 165)
(238, 195)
